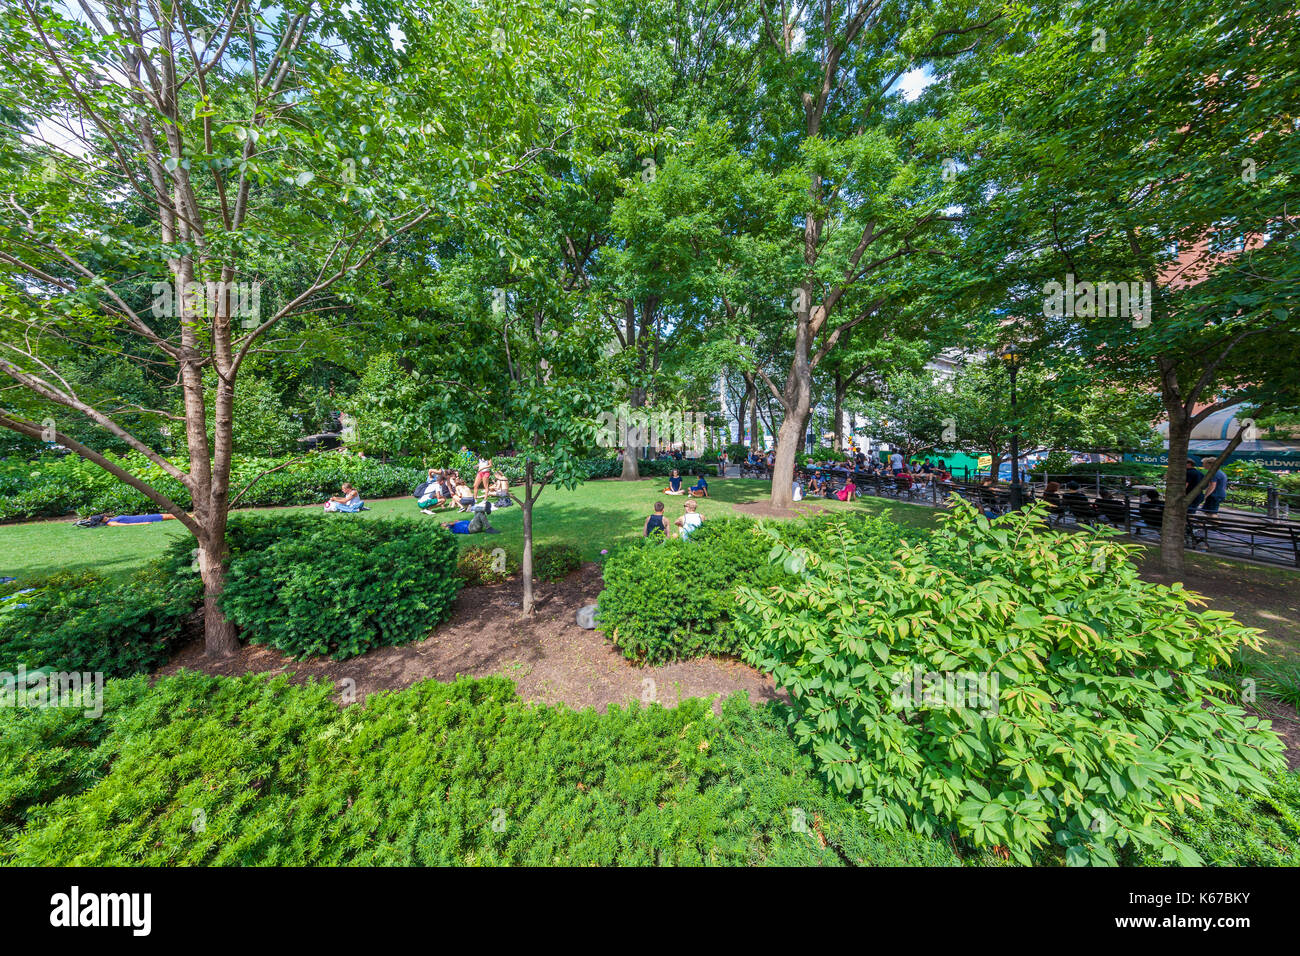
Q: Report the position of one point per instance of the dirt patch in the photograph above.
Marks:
(549, 657)
(763, 509)
(1286, 724)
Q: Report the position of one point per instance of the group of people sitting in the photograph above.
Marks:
(657, 524)
(699, 490)
(446, 487)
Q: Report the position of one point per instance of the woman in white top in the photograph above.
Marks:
(689, 521)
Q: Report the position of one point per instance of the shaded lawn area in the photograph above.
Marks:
(601, 514)
(595, 516)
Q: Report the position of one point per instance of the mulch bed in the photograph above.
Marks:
(549, 657)
(762, 509)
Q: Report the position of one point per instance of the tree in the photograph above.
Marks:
(194, 146)
(873, 193)
(1131, 196)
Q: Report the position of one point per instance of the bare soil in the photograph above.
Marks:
(548, 656)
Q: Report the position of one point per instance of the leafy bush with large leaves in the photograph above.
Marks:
(1101, 719)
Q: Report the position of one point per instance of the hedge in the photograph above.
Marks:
(670, 600)
(80, 622)
(338, 587)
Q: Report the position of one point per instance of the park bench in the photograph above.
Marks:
(1237, 531)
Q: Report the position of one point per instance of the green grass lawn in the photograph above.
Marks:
(594, 516)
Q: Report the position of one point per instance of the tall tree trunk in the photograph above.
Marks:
(741, 412)
(526, 566)
(1173, 524)
(631, 447)
(841, 389)
(209, 481)
(797, 401)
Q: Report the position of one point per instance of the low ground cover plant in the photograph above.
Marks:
(461, 773)
(1242, 829)
(1020, 687)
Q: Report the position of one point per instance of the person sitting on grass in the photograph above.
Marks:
(846, 493)
(816, 486)
(347, 502)
(655, 523)
(429, 493)
(700, 489)
(689, 521)
(674, 483)
(501, 488)
(465, 497)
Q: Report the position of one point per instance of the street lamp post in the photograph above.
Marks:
(1012, 358)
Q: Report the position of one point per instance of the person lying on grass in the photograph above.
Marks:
(122, 520)
(348, 501)
(655, 523)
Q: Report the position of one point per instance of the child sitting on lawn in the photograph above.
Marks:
(655, 523)
(689, 521)
(348, 502)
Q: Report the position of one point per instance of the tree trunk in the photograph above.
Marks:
(841, 389)
(797, 400)
(631, 448)
(1173, 523)
(219, 636)
(526, 566)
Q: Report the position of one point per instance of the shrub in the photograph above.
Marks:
(676, 599)
(53, 486)
(554, 562)
(1097, 720)
(477, 566)
(461, 773)
(338, 587)
(1243, 830)
(665, 600)
(80, 622)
